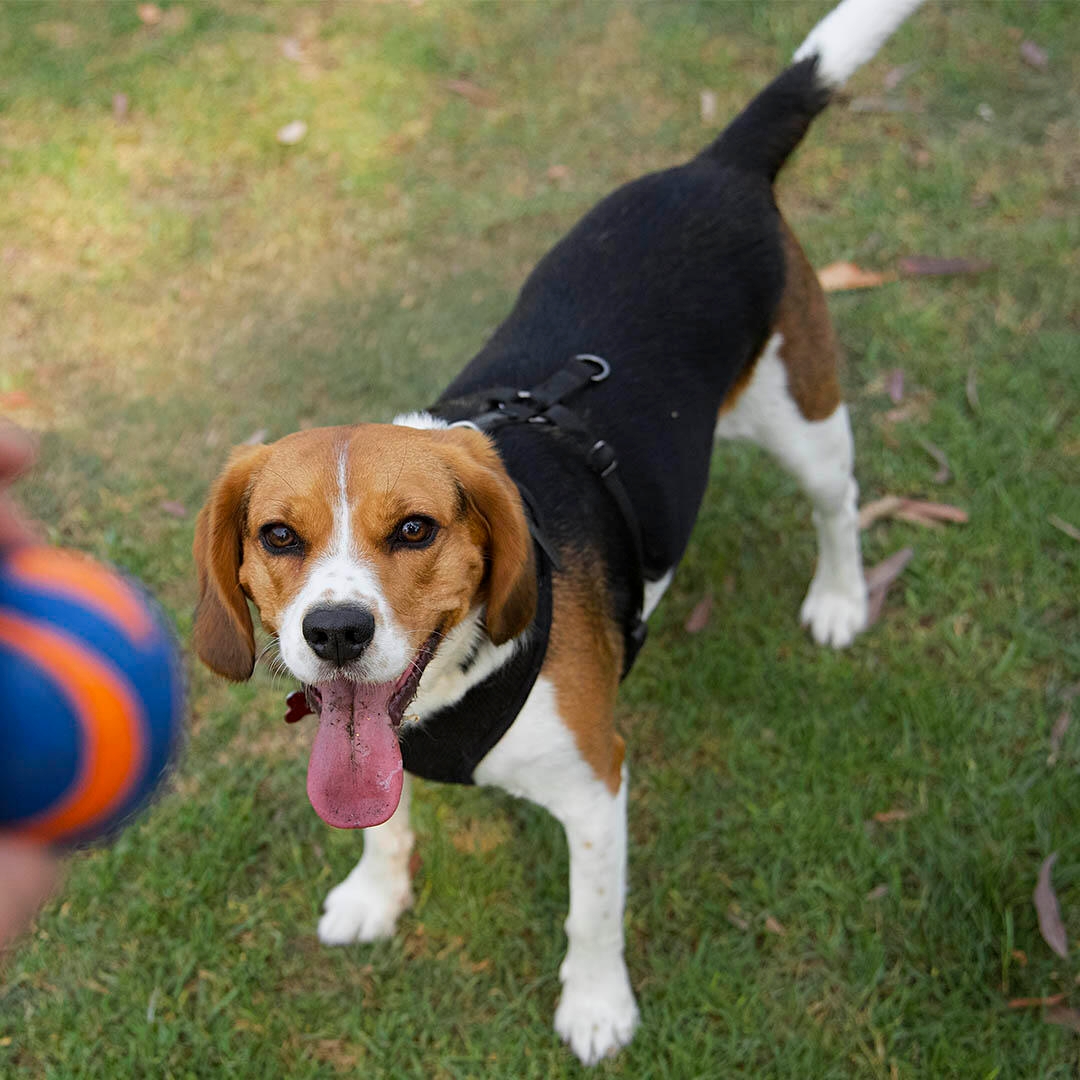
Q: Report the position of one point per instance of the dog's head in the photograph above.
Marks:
(361, 548)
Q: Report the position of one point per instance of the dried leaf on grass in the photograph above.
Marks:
(774, 926)
(1051, 926)
(930, 514)
(878, 892)
(1064, 1016)
(878, 509)
(936, 511)
(149, 14)
(475, 95)
(173, 508)
(1064, 526)
(839, 276)
(894, 385)
(889, 817)
(888, 570)
(935, 266)
(1034, 55)
(698, 619)
(917, 511)
(256, 438)
(880, 577)
(1057, 735)
(1036, 1002)
(120, 107)
(944, 473)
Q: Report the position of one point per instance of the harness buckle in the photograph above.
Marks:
(604, 367)
(602, 458)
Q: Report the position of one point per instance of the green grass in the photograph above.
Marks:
(172, 282)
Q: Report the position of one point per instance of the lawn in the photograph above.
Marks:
(833, 854)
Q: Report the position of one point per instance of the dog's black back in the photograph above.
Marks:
(674, 279)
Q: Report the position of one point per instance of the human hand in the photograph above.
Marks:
(16, 453)
(28, 871)
(28, 874)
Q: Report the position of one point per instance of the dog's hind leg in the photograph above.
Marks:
(366, 905)
(790, 404)
(820, 454)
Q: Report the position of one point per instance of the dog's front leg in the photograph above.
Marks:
(596, 1013)
(366, 905)
(539, 759)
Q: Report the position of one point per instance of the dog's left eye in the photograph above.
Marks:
(414, 532)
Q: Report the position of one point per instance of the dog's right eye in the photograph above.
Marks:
(279, 538)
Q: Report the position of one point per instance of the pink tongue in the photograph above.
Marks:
(355, 773)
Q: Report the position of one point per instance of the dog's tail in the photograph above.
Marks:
(762, 137)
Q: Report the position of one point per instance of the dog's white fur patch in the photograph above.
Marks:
(654, 593)
(420, 419)
(343, 576)
(851, 34)
(820, 455)
(444, 683)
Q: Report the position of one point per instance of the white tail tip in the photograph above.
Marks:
(851, 34)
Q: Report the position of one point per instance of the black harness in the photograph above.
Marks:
(449, 744)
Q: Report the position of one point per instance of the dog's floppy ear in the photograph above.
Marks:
(511, 564)
(223, 635)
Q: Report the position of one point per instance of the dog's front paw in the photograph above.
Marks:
(362, 908)
(834, 614)
(597, 1013)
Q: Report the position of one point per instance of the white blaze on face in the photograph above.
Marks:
(343, 576)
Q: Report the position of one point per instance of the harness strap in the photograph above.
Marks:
(543, 404)
(449, 744)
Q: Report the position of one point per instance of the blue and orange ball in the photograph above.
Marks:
(91, 696)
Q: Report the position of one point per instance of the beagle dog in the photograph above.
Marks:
(460, 592)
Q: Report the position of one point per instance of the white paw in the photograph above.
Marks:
(362, 908)
(835, 614)
(597, 1013)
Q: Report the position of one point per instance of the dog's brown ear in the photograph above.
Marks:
(223, 635)
(511, 566)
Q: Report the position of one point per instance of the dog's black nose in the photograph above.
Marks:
(339, 633)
